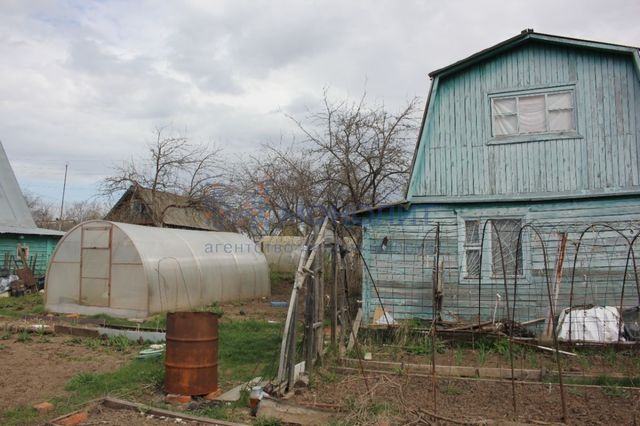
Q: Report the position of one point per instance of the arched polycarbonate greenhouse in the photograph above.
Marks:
(134, 271)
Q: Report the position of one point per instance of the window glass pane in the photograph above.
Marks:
(473, 262)
(532, 114)
(507, 230)
(505, 125)
(562, 100)
(561, 120)
(472, 231)
(504, 106)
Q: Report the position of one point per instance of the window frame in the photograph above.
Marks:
(473, 246)
(533, 136)
(486, 266)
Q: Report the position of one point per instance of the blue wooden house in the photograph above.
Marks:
(525, 181)
(18, 231)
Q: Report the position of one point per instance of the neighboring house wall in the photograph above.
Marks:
(132, 210)
(39, 245)
(403, 271)
(459, 157)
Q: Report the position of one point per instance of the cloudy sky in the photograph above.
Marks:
(86, 82)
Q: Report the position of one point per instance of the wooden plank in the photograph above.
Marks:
(354, 330)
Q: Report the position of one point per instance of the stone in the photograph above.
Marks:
(43, 407)
(175, 399)
(214, 395)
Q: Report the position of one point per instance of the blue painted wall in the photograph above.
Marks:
(457, 157)
(402, 271)
(39, 245)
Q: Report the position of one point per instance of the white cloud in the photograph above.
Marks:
(86, 82)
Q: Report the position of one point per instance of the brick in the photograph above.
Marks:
(43, 407)
(74, 419)
(175, 399)
(213, 395)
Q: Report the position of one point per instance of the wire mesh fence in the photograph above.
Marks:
(500, 270)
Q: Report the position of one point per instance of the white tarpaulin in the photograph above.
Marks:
(599, 324)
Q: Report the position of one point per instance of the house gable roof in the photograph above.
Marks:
(527, 36)
(15, 217)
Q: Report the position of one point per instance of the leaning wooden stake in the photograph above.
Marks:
(557, 283)
(334, 287)
(288, 346)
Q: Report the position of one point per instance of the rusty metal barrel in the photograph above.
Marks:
(191, 362)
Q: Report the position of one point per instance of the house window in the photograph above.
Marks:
(551, 112)
(504, 234)
(472, 248)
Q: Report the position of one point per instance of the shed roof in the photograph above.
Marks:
(176, 208)
(15, 217)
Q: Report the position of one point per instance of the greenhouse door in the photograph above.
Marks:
(95, 265)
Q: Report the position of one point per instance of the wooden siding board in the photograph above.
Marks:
(603, 157)
(404, 279)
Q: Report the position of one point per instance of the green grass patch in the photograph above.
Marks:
(247, 349)
(603, 380)
(16, 307)
(24, 337)
(129, 382)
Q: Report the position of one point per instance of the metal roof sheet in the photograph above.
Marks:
(529, 35)
(29, 231)
(13, 207)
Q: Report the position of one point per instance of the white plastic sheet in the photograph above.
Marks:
(600, 324)
(5, 282)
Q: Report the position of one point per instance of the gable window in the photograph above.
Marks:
(545, 112)
(504, 234)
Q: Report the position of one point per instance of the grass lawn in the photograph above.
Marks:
(247, 348)
(16, 307)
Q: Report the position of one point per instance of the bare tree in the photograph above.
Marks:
(41, 211)
(173, 165)
(364, 151)
(81, 211)
(265, 194)
(352, 155)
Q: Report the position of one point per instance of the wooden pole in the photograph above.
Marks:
(562, 246)
(334, 287)
(318, 323)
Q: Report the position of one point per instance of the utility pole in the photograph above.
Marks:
(64, 188)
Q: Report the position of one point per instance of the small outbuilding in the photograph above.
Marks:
(134, 271)
(144, 206)
(18, 230)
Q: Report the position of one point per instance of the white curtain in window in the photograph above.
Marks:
(504, 106)
(560, 106)
(505, 120)
(561, 120)
(505, 125)
(532, 114)
(562, 100)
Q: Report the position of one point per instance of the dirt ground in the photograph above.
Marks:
(471, 400)
(260, 309)
(37, 370)
(595, 363)
(113, 417)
